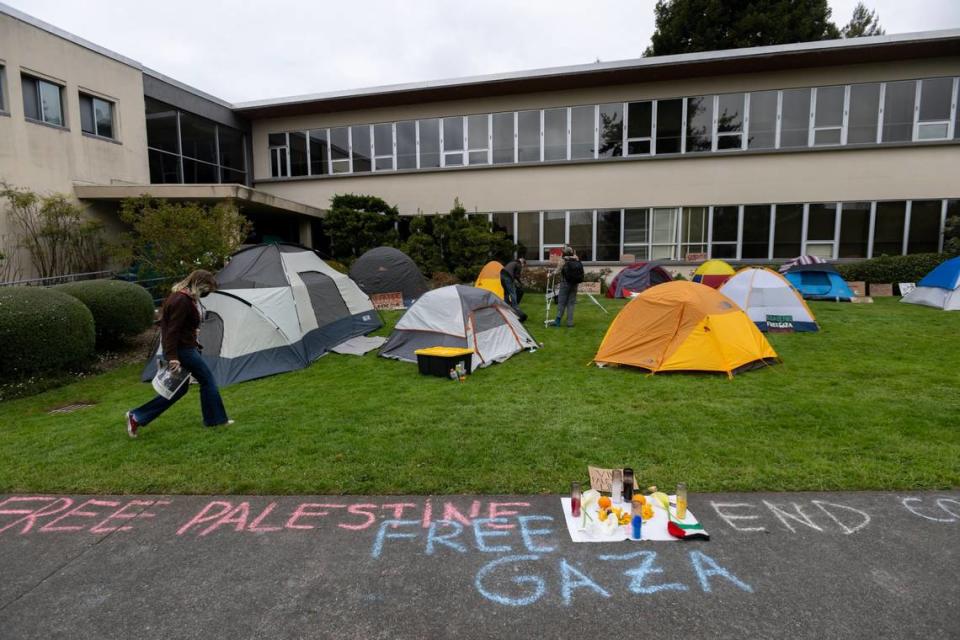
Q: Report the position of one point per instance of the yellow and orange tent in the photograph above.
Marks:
(683, 326)
(713, 273)
(489, 278)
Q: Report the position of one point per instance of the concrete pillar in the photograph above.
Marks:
(306, 232)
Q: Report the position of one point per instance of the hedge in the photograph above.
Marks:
(42, 330)
(892, 269)
(120, 309)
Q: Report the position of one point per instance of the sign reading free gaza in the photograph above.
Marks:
(780, 324)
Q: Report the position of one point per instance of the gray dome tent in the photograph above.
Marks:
(388, 270)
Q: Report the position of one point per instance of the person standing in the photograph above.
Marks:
(512, 284)
(180, 319)
(571, 275)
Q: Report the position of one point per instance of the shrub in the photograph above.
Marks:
(442, 279)
(120, 309)
(358, 223)
(892, 269)
(42, 330)
(337, 266)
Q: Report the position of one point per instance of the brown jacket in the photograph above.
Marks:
(179, 324)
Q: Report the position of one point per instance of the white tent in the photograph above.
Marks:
(939, 289)
(763, 293)
(279, 308)
(459, 316)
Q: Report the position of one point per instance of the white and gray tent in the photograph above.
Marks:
(279, 308)
(459, 316)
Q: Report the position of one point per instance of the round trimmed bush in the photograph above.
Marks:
(42, 330)
(120, 309)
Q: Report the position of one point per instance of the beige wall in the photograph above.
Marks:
(47, 159)
(778, 177)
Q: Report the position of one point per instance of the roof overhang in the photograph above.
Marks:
(247, 199)
(874, 49)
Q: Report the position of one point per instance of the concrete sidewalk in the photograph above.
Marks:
(797, 565)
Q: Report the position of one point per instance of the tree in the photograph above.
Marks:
(422, 248)
(689, 26)
(863, 23)
(171, 239)
(356, 224)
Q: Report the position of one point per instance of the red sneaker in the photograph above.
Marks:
(132, 425)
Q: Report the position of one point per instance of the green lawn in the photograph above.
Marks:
(870, 402)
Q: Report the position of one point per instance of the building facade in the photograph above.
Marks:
(842, 149)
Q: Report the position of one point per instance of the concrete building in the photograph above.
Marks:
(844, 149)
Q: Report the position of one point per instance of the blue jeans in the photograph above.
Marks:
(210, 402)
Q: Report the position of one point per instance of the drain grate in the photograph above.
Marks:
(70, 408)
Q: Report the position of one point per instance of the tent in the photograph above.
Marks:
(800, 260)
(279, 308)
(763, 293)
(683, 326)
(713, 273)
(636, 278)
(388, 270)
(489, 278)
(940, 288)
(819, 281)
(459, 316)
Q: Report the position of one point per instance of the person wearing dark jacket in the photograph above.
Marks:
(512, 285)
(180, 320)
(571, 275)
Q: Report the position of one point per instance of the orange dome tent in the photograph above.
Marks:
(713, 273)
(489, 278)
(682, 326)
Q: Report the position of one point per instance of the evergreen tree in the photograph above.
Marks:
(863, 23)
(356, 224)
(689, 26)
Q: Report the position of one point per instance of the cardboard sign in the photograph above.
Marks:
(906, 287)
(881, 290)
(859, 287)
(592, 288)
(387, 301)
(696, 257)
(600, 479)
(780, 324)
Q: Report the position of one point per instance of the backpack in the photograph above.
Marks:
(573, 271)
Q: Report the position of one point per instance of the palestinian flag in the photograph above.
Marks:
(685, 531)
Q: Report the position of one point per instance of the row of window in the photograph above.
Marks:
(832, 230)
(185, 148)
(870, 113)
(43, 102)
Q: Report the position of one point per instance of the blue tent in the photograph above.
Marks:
(940, 288)
(819, 282)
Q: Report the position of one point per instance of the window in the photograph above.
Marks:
(340, 150)
(788, 226)
(278, 155)
(723, 240)
(794, 118)
(162, 127)
(699, 124)
(318, 152)
(554, 134)
(730, 112)
(233, 163)
(828, 117)
(96, 116)
(864, 111)
(756, 232)
(763, 120)
(693, 231)
(669, 126)
(297, 143)
(407, 145)
(821, 228)
(3, 89)
(453, 141)
(360, 148)
(195, 172)
(198, 138)
(581, 233)
(554, 231)
(854, 230)
(611, 131)
(636, 232)
(478, 140)
(42, 101)
(528, 234)
(503, 138)
(383, 147)
(936, 104)
(665, 233)
(924, 226)
(164, 167)
(888, 229)
(528, 136)
(429, 143)
(639, 128)
(898, 108)
(504, 222)
(608, 235)
(582, 132)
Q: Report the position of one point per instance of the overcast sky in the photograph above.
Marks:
(243, 50)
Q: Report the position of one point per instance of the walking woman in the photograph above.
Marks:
(180, 320)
